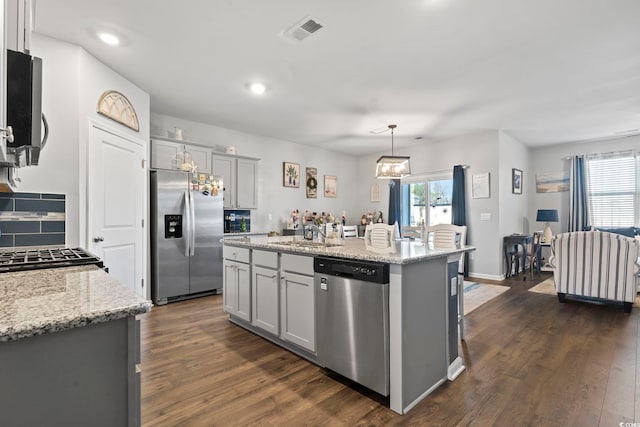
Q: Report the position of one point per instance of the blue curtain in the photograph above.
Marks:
(578, 219)
(458, 206)
(394, 202)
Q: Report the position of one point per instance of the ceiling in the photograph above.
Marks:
(545, 71)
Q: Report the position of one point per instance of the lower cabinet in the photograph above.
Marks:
(297, 311)
(266, 305)
(237, 289)
(274, 293)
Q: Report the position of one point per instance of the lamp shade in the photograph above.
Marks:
(547, 215)
(393, 167)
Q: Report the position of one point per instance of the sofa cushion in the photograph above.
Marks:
(625, 231)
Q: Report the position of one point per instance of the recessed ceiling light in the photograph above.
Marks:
(109, 39)
(257, 88)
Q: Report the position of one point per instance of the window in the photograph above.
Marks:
(613, 190)
(428, 200)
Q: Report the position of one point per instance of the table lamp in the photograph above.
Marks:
(547, 215)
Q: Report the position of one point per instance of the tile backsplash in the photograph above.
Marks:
(32, 219)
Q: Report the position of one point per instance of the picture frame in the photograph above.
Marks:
(516, 181)
(480, 186)
(312, 183)
(375, 192)
(330, 186)
(290, 174)
(552, 182)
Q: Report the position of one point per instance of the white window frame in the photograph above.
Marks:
(596, 220)
(426, 179)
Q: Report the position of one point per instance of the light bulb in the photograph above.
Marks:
(109, 39)
(257, 88)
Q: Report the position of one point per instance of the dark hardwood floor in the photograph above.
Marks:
(530, 360)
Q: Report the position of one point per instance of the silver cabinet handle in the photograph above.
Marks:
(274, 276)
(98, 239)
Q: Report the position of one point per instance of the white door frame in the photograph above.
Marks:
(85, 180)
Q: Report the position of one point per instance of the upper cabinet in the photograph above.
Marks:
(240, 178)
(172, 154)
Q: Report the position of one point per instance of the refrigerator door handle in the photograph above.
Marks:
(187, 218)
(192, 232)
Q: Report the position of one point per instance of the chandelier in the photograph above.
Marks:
(393, 167)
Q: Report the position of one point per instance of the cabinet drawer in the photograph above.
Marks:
(236, 254)
(297, 264)
(265, 258)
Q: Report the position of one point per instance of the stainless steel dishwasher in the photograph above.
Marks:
(352, 320)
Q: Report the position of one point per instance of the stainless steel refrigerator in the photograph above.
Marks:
(187, 225)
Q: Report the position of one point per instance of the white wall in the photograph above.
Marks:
(273, 197)
(57, 171)
(551, 159)
(481, 152)
(73, 81)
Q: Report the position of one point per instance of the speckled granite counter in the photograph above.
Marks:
(43, 301)
(403, 251)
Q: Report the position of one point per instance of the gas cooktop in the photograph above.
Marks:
(32, 259)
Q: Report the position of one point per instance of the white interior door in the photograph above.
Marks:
(116, 204)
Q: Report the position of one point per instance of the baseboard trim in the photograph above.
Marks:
(455, 369)
(487, 276)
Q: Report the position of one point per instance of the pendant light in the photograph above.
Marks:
(393, 167)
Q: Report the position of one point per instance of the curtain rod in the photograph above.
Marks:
(447, 170)
(609, 153)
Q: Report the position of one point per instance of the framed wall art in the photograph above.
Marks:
(516, 181)
(312, 183)
(552, 182)
(480, 188)
(330, 186)
(291, 174)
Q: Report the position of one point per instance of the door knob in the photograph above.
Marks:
(98, 239)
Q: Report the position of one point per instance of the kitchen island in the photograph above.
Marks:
(69, 346)
(269, 290)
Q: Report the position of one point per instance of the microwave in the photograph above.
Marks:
(24, 108)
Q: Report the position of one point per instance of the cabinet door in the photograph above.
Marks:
(165, 154)
(230, 287)
(237, 289)
(244, 291)
(265, 299)
(298, 310)
(201, 157)
(246, 192)
(225, 167)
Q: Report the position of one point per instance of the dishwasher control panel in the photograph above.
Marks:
(365, 271)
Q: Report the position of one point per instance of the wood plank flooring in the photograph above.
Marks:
(531, 361)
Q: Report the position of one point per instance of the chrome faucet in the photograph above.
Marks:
(315, 232)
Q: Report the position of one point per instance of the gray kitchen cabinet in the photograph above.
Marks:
(237, 282)
(265, 295)
(225, 166)
(240, 177)
(246, 184)
(297, 307)
(169, 154)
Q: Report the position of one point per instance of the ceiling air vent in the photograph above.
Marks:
(303, 29)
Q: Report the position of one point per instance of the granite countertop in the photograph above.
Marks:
(401, 252)
(39, 302)
(246, 233)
